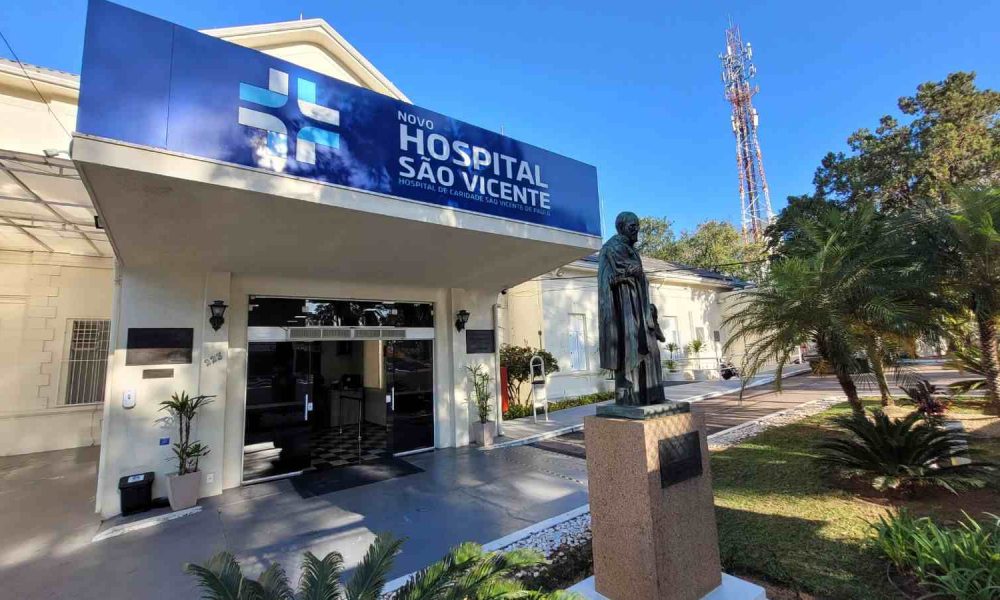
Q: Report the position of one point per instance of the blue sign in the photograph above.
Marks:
(149, 82)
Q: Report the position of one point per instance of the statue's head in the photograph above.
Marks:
(627, 224)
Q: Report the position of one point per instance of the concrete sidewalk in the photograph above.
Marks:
(47, 521)
(519, 432)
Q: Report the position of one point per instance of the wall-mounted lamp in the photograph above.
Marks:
(218, 310)
(461, 318)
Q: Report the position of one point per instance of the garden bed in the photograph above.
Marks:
(517, 411)
(790, 524)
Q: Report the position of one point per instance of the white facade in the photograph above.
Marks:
(558, 312)
(55, 272)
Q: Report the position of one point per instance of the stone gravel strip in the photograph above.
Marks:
(575, 530)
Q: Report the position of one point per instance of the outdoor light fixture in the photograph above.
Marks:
(218, 310)
(461, 318)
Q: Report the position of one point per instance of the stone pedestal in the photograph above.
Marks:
(651, 506)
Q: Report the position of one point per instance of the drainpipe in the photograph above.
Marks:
(497, 394)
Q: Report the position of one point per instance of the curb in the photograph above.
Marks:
(118, 530)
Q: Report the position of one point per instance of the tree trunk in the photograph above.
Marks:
(873, 350)
(991, 360)
(850, 390)
(843, 374)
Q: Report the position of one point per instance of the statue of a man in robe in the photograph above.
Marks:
(629, 332)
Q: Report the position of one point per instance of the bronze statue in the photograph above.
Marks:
(629, 332)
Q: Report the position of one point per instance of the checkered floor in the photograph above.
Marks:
(331, 448)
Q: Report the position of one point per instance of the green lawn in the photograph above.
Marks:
(784, 519)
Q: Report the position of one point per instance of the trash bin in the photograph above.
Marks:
(136, 493)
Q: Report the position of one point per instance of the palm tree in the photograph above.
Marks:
(848, 278)
(974, 223)
(466, 572)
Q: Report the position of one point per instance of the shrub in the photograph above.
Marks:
(517, 360)
(927, 397)
(957, 562)
(903, 454)
(517, 411)
(466, 572)
(696, 346)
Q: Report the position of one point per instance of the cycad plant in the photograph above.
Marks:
(466, 572)
(903, 454)
(930, 400)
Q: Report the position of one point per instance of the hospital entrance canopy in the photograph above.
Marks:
(204, 154)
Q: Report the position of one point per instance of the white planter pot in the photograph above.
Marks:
(182, 490)
(483, 433)
(674, 376)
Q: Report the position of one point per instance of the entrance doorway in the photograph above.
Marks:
(316, 403)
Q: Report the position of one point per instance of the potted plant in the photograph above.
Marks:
(695, 348)
(673, 373)
(183, 486)
(482, 431)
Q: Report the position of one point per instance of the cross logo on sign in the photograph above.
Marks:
(274, 149)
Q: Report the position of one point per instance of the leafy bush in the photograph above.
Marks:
(517, 360)
(696, 346)
(466, 572)
(903, 454)
(517, 411)
(929, 399)
(957, 562)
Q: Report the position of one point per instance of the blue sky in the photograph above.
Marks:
(630, 87)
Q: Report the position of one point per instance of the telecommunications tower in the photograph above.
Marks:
(737, 71)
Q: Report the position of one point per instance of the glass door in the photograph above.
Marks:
(409, 379)
(281, 390)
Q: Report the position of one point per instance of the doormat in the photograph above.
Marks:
(325, 481)
(570, 444)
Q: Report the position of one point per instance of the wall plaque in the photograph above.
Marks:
(680, 458)
(157, 373)
(480, 341)
(159, 346)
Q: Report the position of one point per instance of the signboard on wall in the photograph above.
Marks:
(480, 341)
(159, 345)
(149, 82)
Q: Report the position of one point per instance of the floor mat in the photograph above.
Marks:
(324, 481)
(570, 444)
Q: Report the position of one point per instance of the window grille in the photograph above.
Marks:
(87, 360)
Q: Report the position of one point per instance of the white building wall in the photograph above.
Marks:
(176, 299)
(40, 295)
(548, 302)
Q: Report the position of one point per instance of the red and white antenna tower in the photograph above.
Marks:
(737, 71)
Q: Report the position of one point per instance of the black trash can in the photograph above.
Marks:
(136, 493)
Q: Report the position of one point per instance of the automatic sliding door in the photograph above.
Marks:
(280, 395)
(409, 369)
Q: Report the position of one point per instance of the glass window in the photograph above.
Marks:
(670, 330)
